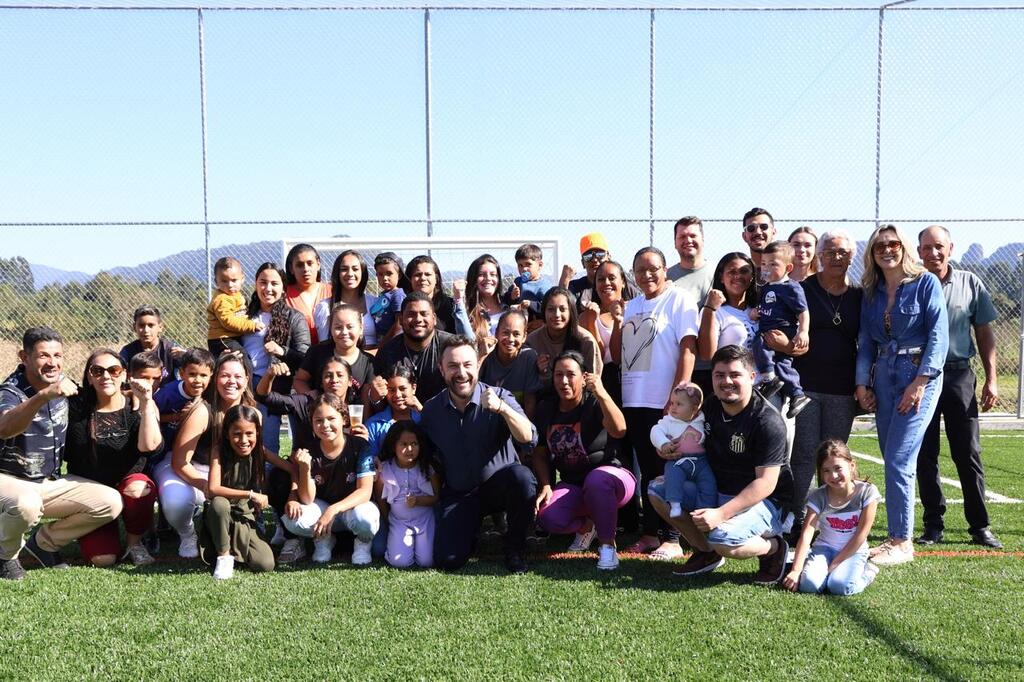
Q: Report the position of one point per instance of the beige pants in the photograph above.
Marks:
(77, 504)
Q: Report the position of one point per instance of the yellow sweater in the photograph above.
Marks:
(226, 317)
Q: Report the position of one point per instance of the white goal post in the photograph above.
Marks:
(453, 254)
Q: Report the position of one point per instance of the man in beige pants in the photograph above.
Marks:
(33, 424)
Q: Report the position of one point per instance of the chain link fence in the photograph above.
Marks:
(140, 143)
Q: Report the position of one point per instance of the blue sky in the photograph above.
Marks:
(536, 115)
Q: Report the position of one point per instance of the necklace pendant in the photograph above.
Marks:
(837, 319)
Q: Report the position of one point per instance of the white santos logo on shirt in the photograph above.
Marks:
(737, 444)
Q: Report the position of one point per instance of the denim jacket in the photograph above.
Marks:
(918, 320)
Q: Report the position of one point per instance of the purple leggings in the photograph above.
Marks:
(604, 490)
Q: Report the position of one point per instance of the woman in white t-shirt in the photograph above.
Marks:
(657, 351)
(724, 319)
(348, 284)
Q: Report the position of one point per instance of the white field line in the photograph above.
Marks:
(990, 496)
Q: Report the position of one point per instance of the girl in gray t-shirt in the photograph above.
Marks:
(843, 511)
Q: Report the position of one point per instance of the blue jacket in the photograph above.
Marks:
(918, 320)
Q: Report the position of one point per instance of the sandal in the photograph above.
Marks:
(667, 551)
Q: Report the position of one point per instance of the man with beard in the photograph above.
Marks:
(418, 347)
(475, 429)
(758, 232)
(33, 426)
(746, 448)
(970, 307)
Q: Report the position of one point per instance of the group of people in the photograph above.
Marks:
(691, 400)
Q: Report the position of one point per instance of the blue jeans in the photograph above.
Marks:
(900, 436)
(849, 577)
(689, 481)
(763, 520)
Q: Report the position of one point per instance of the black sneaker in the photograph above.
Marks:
(698, 563)
(986, 538)
(11, 570)
(773, 564)
(930, 536)
(515, 563)
(797, 405)
(769, 388)
(46, 559)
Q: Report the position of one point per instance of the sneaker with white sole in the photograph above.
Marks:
(189, 546)
(225, 568)
(139, 555)
(294, 549)
(583, 541)
(361, 555)
(892, 553)
(279, 537)
(323, 549)
(607, 558)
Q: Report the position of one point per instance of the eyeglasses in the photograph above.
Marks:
(97, 371)
(836, 254)
(647, 272)
(894, 245)
(592, 255)
(753, 227)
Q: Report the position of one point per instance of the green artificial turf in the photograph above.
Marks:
(940, 617)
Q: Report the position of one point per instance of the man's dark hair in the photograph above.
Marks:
(457, 341)
(756, 211)
(416, 297)
(686, 221)
(35, 335)
(144, 360)
(733, 353)
(197, 356)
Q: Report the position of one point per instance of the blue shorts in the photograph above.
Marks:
(764, 519)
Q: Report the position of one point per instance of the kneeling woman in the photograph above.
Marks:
(109, 442)
(236, 497)
(334, 483)
(577, 431)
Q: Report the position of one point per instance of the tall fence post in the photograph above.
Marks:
(202, 119)
(427, 115)
(1020, 354)
(878, 116)
(650, 130)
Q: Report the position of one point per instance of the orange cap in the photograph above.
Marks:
(594, 240)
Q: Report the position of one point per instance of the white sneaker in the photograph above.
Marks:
(607, 558)
(891, 554)
(870, 573)
(361, 555)
(139, 555)
(225, 568)
(323, 549)
(278, 538)
(583, 541)
(294, 549)
(189, 546)
(675, 510)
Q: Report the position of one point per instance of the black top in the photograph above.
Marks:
(163, 351)
(297, 407)
(444, 310)
(335, 479)
(756, 437)
(576, 440)
(829, 366)
(318, 355)
(424, 364)
(114, 453)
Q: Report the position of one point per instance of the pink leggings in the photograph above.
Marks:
(604, 490)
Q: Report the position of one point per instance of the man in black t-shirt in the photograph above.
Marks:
(418, 346)
(746, 448)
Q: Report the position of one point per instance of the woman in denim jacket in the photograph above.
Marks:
(904, 336)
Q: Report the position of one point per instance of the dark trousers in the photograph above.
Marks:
(769, 361)
(512, 490)
(639, 422)
(959, 406)
(279, 486)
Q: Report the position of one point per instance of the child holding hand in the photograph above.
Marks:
(679, 438)
(843, 511)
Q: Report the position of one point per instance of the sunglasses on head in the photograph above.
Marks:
(97, 371)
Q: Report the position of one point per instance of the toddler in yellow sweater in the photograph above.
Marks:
(226, 312)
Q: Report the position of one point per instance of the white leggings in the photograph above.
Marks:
(179, 500)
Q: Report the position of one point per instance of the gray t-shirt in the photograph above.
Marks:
(968, 305)
(836, 526)
(698, 282)
(34, 454)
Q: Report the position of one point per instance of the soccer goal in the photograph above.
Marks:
(453, 255)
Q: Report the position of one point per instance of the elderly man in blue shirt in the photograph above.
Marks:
(476, 429)
(968, 306)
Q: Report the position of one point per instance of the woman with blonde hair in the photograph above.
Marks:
(904, 336)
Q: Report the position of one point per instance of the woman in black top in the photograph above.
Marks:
(577, 433)
(109, 441)
(425, 275)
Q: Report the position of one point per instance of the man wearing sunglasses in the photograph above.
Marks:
(758, 232)
(33, 426)
(593, 252)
